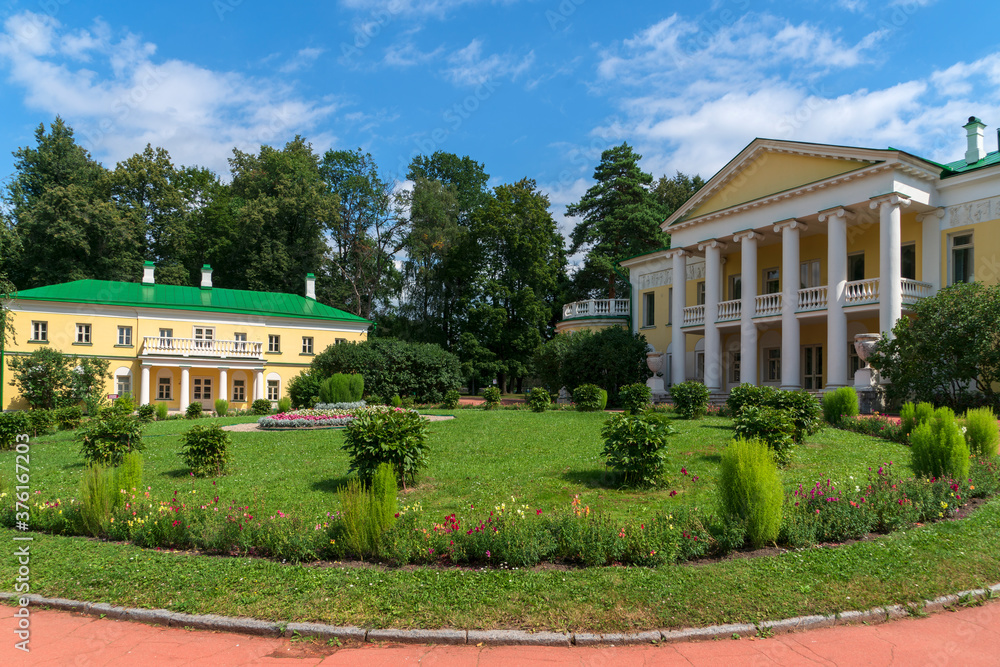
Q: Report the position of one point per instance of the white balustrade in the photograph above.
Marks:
(812, 298)
(196, 347)
(729, 310)
(768, 304)
(914, 290)
(862, 291)
(693, 315)
(597, 308)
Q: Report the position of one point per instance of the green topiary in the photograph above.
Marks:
(981, 432)
(690, 399)
(451, 398)
(491, 398)
(261, 406)
(769, 425)
(938, 447)
(396, 437)
(342, 388)
(205, 449)
(748, 394)
(750, 490)
(634, 444)
(840, 405)
(635, 397)
(193, 410)
(539, 399)
(590, 398)
(396, 401)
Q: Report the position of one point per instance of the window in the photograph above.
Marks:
(809, 274)
(908, 260)
(771, 282)
(856, 266)
(735, 287)
(124, 335)
(40, 331)
(83, 334)
(338, 341)
(203, 337)
(734, 367)
(772, 364)
(166, 339)
(307, 345)
(241, 342)
(699, 366)
(648, 310)
(239, 391)
(699, 293)
(961, 259)
(123, 384)
(273, 343)
(202, 389)
(853, 360)
(272, 390)
(164, 390)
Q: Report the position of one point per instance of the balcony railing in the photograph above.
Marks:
(768, 304)
(812, 298)
(597, 308)
(862, 291)
(693, 315)
(914, 290)
(196, 347)
(729, 310)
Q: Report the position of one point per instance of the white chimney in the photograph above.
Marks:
(148, 269)
(206, 277)
(310, 286)
(974, 129)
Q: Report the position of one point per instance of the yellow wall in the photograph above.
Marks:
(986, 242)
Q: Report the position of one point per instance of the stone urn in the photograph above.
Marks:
(864, 344)
(654, 361)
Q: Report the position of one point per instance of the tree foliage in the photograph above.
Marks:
(609, 358)
(49, 379)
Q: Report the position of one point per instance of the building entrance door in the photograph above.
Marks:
(202, 392)
(812, 367)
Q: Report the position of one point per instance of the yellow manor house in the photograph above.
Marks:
(177, 345)
(793, 249)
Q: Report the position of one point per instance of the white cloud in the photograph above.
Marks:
(128, 98)
(468, 66)
(408, 55)
(438, 8)
(303, 59)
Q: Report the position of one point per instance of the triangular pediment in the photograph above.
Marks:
(768, 167)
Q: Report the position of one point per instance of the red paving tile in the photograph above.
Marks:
(966, 637)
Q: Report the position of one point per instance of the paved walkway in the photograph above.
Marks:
(966, 637)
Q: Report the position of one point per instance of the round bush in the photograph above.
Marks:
(938, 447)
(491, 396)
(261, 406)
(635, 397)
(690, 399)
(145, 412)
(205, 449)
(590, 398)
(193, 410)
(539, 399)
(109, 437)
(981, 432)
(769, 425)
(451, 399)
(840, 404)
(750, 490)
(634, 446)
(394, 436)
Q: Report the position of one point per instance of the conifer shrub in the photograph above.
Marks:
(221, 407)
(368, 511)
(634, 446)
(981, 432)
(284, 404)
(750, 491)
(690, 399)
(146, 412)
(912, 415)
(396, 401)
(162, 410)
(635, 397)
(938, 447)
(590, 398)
(840, 405)
(539, 399)
(342, 388)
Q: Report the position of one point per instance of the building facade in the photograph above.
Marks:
(177, 345)
(794, 248)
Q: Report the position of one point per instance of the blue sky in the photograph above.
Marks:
(530, 88)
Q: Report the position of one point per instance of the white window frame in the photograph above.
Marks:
(735, 287)
(123, 384)
(699, 293)
(307, 345)
(338, 341)
(241, 341)
(772, 364)
(911, 244)
(167, 395)
(166, 339)
(811, 271)
(856, 255)
(273, 388)
(125, 335)
(777, 280)
(734, 367)
(951, 255)
(241, 395)
(274, 343)
(83, 334)
(648, 309)
(40, 330)
(202, 389)
(203, 337)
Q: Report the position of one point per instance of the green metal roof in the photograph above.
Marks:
(960, 166)
(177, 297)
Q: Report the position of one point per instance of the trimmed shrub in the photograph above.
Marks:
(635, 397)
(539, 399)
(491, 398)
(981, 432)
(42, 421)
(342, 388)
(396, 401)
(69, 418)
(106, 439)
(590, 398)
(840, 404)
(145, 412)
(367, 512)
(13, 424)
(161, 412)
(194, 410)
(396, 437)
(748, 394)
(284, 404)
(634, 446)
(303, 389)
(913, 415)
(750, 490)
(690, 399)
(772, 426)
(222, 407)
(803, 408)
(125, 403)
(939, 448)
(205, 450)
(261, 406)
(451, 399)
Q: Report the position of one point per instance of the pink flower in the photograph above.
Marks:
(487, 554)
(538, 512)
(684, 471)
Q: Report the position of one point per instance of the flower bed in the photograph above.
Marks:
(321, 418)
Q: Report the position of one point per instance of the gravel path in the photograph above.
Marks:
(252, 426)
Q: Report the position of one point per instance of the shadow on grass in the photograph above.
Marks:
(178, 473)
(598, 478)
(332, 484)
(78, 465)
(711, 458)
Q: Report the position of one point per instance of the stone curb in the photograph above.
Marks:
(252, 626)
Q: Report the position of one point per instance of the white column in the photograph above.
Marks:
(258, 385)
(790, 352)
(930, 244)
(677, 365)
(836, 280)
(185, 387)
(713, 288)
(223, 383)
(144, 385)
(748, 305)
(890, 289)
